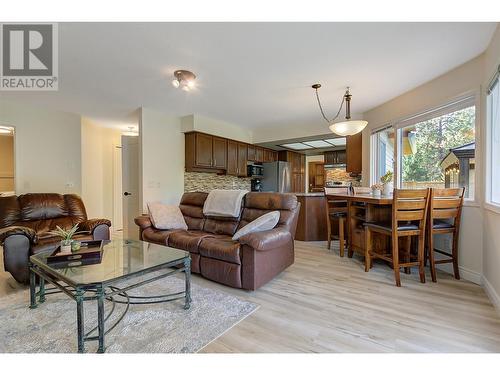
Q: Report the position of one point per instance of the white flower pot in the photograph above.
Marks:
(66, 247)
(388, 188)
(376, 193)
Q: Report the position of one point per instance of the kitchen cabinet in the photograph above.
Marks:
(259, 154)
(242, 159)
(232, 158)
(298, 166)
(251, 152)
(354, 159)
(335, 157)
(205, 153)
(219, 152)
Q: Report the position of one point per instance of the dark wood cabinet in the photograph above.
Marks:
(354, 147)
(242, 159)
(251, 152)
(274, 155)
(232, 158)
(298, 166)
(204, 153)
(335, 157)
(203, 150)
(219, 152)
(259, 154)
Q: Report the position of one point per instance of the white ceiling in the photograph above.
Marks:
(250, 74)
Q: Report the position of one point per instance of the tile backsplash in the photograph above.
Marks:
(337, 174)
(194, 181)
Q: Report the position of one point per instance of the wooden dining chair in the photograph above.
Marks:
(336, 210)
(445, 208)
(409, 214)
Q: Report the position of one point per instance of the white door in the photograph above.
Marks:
(117, 189)
(130, 186)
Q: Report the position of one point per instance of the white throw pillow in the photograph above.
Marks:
(265, 222)
(165, 216)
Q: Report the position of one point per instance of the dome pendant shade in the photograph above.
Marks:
(348, 127)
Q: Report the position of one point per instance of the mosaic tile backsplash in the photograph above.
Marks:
(336, 174)
(194, 181)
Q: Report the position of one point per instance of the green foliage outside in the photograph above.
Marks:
(434, 138)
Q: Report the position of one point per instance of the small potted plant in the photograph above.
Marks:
(386, 180)
(377, 190)
(66, 238)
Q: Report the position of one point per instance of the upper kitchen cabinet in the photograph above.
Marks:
(354, 153)
(251, 152)
(205, 152)
(259, 154)
(236, 158)
(242, 160)
(335, 157)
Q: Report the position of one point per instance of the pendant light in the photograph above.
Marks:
(347, 126)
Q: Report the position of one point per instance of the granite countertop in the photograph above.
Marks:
(310, 194)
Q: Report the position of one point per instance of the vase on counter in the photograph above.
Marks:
(388, 188)
(376, 192)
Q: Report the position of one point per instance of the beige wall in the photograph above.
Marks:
(47, 147)
(491, 218)
(162, 157)
(464, 79)
(6, 162)
(215, 127)
(97, 168)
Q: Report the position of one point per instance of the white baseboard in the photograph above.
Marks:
(491, 292)
(465, 273)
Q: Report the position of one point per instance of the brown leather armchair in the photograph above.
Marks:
(26, 220)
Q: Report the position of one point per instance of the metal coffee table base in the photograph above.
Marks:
(104, 292)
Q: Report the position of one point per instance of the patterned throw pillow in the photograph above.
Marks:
(265, 222)
(164, 216)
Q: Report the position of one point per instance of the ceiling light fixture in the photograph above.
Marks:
(184, 79)
(348, 126)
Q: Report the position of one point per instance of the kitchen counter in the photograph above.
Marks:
(310, 194)
(311, 224)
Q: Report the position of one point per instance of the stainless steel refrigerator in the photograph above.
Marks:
(277, 177)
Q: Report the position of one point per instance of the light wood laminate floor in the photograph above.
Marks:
(324, 303)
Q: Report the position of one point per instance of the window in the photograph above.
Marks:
(435, 148)
(493, 137)
(383, 152)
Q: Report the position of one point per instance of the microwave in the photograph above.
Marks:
(254, 170)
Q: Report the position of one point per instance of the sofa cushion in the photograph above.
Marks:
(157, 236)
(192, 208)
(222, 248)
(42, 206)
(187, 240)
(265, 222)
(10, 212)
(225, 226)
(164, 216)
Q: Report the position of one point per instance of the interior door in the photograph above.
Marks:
(130, 186)
(316, 176)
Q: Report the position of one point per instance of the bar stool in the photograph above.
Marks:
(445, 208)
(409, 213)
(336, 210)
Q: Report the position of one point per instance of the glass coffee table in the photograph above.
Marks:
(127, 263)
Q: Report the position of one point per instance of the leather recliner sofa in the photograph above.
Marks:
(248, 263)
(25, 221)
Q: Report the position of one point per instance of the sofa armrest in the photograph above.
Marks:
(16, 230)
(143, 221)
(90, 225)
(267, 240)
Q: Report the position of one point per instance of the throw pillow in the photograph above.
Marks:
(165, 216)
(265, 222)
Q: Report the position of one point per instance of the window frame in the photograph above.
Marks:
(488, 202)
(465, 100)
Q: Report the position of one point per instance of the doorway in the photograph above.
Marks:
(130, 185)
(316, 176)
(7, 169)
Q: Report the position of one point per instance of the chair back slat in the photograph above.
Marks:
(446, 204)
(410, 206)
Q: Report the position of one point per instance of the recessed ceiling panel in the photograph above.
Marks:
(296, 146)
(336, 141)
(318, 144)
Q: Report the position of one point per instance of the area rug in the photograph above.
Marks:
(153, 328)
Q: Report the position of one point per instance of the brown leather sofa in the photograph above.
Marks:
(26, 220)
(248, 263)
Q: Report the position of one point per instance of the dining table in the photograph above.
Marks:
(365, 208)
